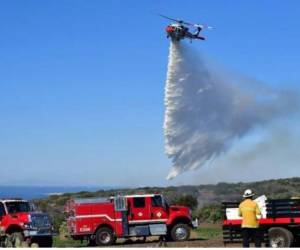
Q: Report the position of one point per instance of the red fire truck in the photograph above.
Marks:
(280, 227)
(20, 223)
(103, 220)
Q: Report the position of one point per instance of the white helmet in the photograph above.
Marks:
(248, 193)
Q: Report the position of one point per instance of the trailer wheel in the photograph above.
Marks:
(180, 232)
(104, 236)
(280, 237)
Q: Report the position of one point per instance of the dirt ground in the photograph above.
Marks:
(195, 241)
(154, 242)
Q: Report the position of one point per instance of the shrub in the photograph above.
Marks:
(185, 200)
(210, 213)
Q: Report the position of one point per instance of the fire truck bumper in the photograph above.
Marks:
(195, 223)
(37, 233)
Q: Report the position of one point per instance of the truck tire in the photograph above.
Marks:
(2, 242)
(17, 239)
(280, 237)
(180, 232)
(104, 236)
(46, 241)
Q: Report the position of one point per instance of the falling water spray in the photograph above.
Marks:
(207, 109)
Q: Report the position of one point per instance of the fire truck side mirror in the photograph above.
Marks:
(120, 203)
(32, 207)
(164, 204)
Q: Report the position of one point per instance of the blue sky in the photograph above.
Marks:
(82, 82)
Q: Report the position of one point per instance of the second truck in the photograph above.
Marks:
(103, 220)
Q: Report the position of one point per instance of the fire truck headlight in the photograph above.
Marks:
(27, 225)
(29, 218)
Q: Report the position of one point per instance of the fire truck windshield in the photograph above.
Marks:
(17, 207)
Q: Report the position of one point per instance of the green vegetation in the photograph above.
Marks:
(205, 200)
(211, 213)
(208, 233)
(58, 242)
(186, 200)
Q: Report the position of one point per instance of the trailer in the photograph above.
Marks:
(280, 225)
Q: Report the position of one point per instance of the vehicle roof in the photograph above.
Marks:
(12, 200)
(108, 199)
(140, 195)
(91, 200)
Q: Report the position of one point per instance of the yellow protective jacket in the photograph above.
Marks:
(248, 210)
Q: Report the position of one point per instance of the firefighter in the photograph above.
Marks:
(249, 210)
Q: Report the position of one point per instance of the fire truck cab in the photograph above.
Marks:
(103, 220)
(20, 224)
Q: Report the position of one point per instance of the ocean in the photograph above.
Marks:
(35, 192)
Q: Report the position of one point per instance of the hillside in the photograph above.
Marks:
(208, 196)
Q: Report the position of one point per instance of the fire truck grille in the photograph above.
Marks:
(40, 220)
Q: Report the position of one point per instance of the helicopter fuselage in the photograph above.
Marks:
(178, 32)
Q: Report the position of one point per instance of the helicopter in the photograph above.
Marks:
(180, 30)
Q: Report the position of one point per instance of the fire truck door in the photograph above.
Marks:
(158, 210)
(139, 210)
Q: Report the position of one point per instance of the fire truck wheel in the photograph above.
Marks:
(104, 236)
(180, 232)
(17, 239)
(280, 237)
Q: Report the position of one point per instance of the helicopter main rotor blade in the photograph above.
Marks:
(169, 18)
(176, 20)
(203, 26)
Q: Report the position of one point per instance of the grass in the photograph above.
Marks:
(202, 232)
(57, 242)
(208, 233)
